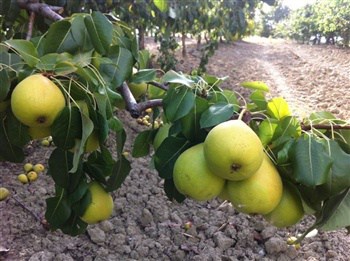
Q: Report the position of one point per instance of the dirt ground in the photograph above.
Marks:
(145, 225)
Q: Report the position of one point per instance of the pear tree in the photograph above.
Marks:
(90, 57)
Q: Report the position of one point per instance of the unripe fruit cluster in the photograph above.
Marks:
(31, 172)
(46, 142)
(231, 164)
(146, 120)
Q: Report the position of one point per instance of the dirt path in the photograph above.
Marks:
(147, 226)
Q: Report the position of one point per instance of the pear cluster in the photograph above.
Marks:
(31, 172)
(36, 101)
(231, 164)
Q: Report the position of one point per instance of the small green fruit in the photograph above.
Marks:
(32, 176)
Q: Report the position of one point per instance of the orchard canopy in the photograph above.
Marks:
(93, 52)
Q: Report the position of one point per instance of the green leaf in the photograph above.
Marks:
(216, 114)
(78, 192)
(278, 108)
(142, 142)
(178, 102)
(60, 163)
(100, 30)
(190, 124)
(67, 127)
(258, 97)
(167, 153)
(59, 39)
(8, 150)
(80, 34)
(310, 162)
(335, 212)
(266, 131)
(162, 5)
(174, 77)
(339, 177)
(5, 84)
(120, 171)
(144, 56)
(74, 225)
(255, 85)
(57, 210)
(99, 165)
(26, 50)
(145, 75)
(120, 67)
(171, 191)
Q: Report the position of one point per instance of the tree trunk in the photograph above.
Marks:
(183, 38)
(199, 39)
(141, 37)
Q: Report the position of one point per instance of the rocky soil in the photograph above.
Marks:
(145, 224)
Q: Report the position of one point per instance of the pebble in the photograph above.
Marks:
(106, 226)
(275, 245)
(268, 232)
(146, 217)
(42, 256)
(97, 235)
(223, 242)
(63, 257)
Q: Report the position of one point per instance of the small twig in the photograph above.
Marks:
(150, 104)
(30, 26)
(325, 127)
(28, 210)
(159, 85)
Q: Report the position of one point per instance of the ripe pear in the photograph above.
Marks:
(32, 176)
(101, 206)
(260, 193)
(233, 151)
(38, 168)
(289, 210)
(39, 132)
(193, 178)
(23, 178)
(28, 167)
(36, 101)
(4, 193)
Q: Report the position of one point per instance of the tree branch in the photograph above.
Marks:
(30, 26)
(325, 127)
(131, 104)
(159, 85)
(41, 9)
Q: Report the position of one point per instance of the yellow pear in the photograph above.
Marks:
(36, 101)
(39, 132)
(289, 210)
(233, 151)
(4, 193)
(192, 176)
(260, 193)
(101, 205)
(92, 142)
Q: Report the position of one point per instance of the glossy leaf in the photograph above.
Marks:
(171, 191)
(100, 30)
(25, 49)
(141, 146)
(9, 151)
(266, 131)
(58, 210)
(178, 102)
(59, 39)
(310, 162)
(146, 75)
(174, 77)
(120, 171)
(167, 153)
(60, 163)
(67, 127)
(215, 114)
(259, 100)
(278, 108)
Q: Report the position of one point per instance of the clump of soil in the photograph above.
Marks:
(145, 224)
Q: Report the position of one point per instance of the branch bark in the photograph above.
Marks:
(41, 9)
